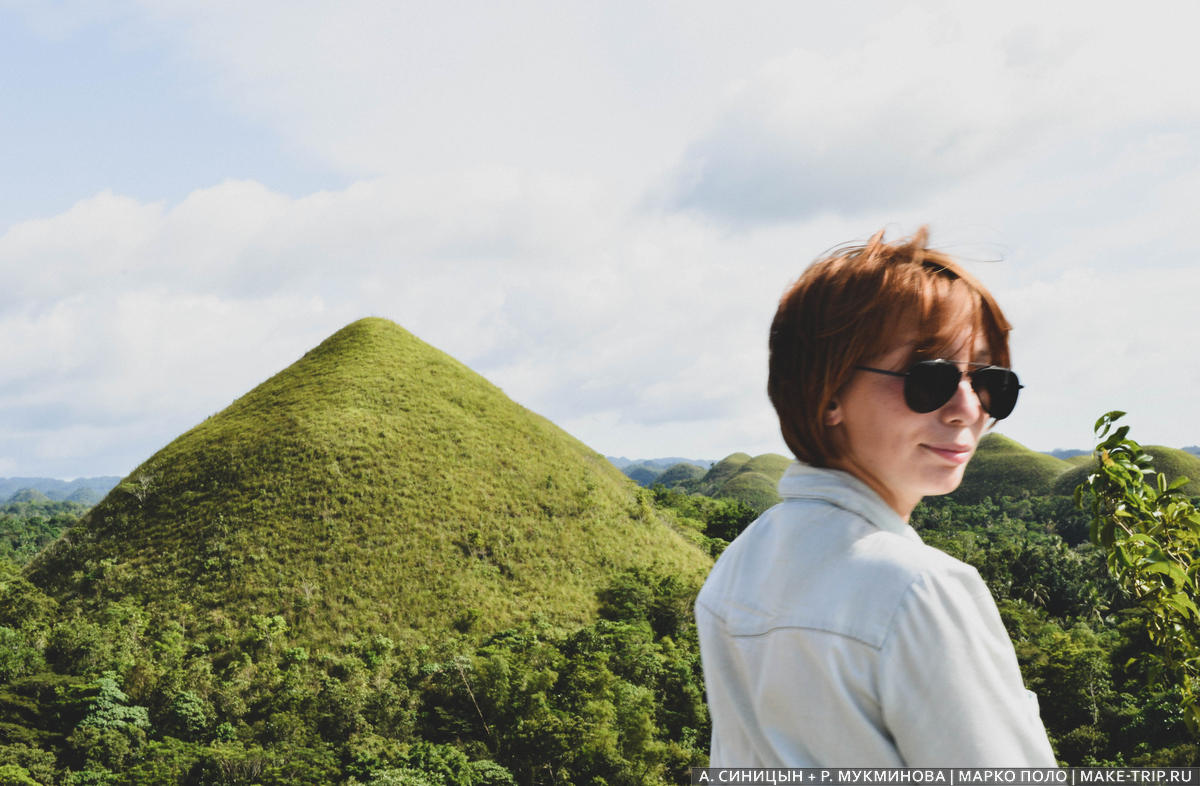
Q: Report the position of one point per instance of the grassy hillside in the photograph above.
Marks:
(721, 472)
(641, 474)
(1004, 467)
(680, 475)
(753, 480)
(375, 486)
(1173, 462)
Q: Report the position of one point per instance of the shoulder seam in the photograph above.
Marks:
(777, 628)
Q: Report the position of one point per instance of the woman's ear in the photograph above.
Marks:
(833, 413)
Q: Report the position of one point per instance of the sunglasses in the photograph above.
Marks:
(929, 384)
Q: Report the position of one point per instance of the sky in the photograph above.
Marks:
(594, 205)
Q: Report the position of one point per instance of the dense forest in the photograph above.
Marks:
(29, 522)
(121, 696)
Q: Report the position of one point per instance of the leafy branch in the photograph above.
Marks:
(1150, 531)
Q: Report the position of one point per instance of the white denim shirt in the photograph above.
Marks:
(832, 636)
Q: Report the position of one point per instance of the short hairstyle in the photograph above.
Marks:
(852, 305)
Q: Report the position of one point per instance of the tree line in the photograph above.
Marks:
(117, 695)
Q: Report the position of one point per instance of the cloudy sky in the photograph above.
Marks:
(594, 205)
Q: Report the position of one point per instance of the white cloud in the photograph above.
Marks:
(499, 156)
(932, 98)
(377, 87)
(1088, 341)
(96, 383)
(171, 312)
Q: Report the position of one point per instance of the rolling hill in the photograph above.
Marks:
(752, 480)
(84, 490)
(1172, 462)
(1004, 467)
(376, 485)
(680, 475)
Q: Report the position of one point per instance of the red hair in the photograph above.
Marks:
(852, 305)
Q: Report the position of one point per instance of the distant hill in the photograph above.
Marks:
(646, 472)
(85, 490)
(1004, 467)
(1067, 453)
(641, 474)
(29, 495)
(753, 480)
(1193, 449)
(660, 464)
(680, 475)
(377, 485)
(1172, 462)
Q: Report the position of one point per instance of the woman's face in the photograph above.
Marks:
(905, 455)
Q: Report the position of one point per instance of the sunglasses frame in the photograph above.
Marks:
(911, 392)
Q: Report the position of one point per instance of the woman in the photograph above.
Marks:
(830, 635)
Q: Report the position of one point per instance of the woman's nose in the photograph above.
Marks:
(964, 405)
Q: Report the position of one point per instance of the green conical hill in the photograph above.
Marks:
(29, 495)
(720, 473)
(753, 481)
(1172, 462)
(1003, 467)
(772, 465)
(680, 475)
(376, 485)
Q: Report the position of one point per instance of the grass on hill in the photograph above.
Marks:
(375, 486)
(680, 475)
(752, 480)
(642, 475)
(721, 472)
(1004, 467)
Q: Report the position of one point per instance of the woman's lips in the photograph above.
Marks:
(957, 454)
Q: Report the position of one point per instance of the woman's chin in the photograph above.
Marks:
(945, 485)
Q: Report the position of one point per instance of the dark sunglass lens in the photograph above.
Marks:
(997, 389)
(930, 384)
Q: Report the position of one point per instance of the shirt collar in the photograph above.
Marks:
(803, 481)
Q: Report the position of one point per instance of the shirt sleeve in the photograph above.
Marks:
(950, 687)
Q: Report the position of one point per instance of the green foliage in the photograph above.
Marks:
(21, 603)
(16, 775)
(26, 761)
(27, 527)
(249, 698)
(402, 776)
(619, 700)
(1172, 462)
(18, 655)
(1151, 533)
(715, 521)
(112, 731)
(1016, 546)
(186, 716)
(679, 474)
(642, 475)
